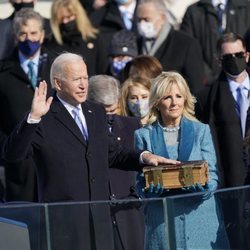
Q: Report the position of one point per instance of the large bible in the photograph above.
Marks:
(179, 175)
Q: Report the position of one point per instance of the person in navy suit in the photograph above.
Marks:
(69, 165)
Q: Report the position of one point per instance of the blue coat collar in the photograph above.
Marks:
(186, 140)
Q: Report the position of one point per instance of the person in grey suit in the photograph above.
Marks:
(72, 161)
(174, 132)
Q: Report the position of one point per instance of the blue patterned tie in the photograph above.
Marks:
(32, 74)
(243, 105)
(76, 115)
(220, 13)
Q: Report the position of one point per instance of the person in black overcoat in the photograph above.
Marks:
(174, 49)
(202, 21)
(16, 93)
(73, 32)
(217, 106)
(127, 218)
(72, 162)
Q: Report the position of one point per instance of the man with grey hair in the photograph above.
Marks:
(68, 139)
(19, 75)
(8, 42)
(174, 49)
(127, 219)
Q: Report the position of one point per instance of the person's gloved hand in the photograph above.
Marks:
(208, 189)
(154, 191)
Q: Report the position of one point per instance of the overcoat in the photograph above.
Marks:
(182, 53)
(71, 169)
(197, 222)
(16, 94)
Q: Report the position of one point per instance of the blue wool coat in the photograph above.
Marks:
(197, 221)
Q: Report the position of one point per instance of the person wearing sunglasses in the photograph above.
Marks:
(224, 106)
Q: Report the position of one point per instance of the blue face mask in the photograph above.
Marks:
(29, 48)
(118, 66)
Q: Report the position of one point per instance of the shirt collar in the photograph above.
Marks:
(217, 2)
(234, 85)
(68, 106)
(24, 60)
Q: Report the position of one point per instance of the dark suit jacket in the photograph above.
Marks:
(127, 218)
(69, 169)
(216, 106)
(182, 53)
(16, 94)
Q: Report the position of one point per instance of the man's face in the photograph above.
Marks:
(73, 88)
(232, 48)
(233, 58)
(148, 13)
(31, 31)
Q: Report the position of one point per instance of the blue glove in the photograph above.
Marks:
(207, 190)
(154, 191)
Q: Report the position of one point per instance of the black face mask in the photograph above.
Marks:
(68, 27)
(234, 65)
(18, 6)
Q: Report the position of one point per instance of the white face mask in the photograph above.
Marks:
(147, 29)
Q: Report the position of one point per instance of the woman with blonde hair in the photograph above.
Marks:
(175, 133)
(134, 98)
(72, 31)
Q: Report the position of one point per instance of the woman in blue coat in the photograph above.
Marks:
(174, 132)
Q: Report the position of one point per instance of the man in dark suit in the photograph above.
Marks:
(219, 107)
(127, 218)
(8, 42)
(16, 91)
(174, 49)
(72, 160)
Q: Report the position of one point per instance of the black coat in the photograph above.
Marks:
(93, 51)
(181, 53)
(216, 106)
(201, 22)
(69, 169)
(16, 94)
(127, 218)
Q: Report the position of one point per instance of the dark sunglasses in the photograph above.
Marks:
(230, 56)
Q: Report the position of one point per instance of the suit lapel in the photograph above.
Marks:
(63, 116)
(187, 135)
(90, 120)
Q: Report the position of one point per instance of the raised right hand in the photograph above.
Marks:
(40, 106)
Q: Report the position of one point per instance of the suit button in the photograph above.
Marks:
(92, 179)
(88, 155)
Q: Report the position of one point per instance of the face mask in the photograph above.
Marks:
(121, 2)
(139, 108)
(18, 6)
(118, 66)
(234, 65)
(29, 48)
(146, 29)
(68, 27)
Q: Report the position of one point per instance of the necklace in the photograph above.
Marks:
(171, 129)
